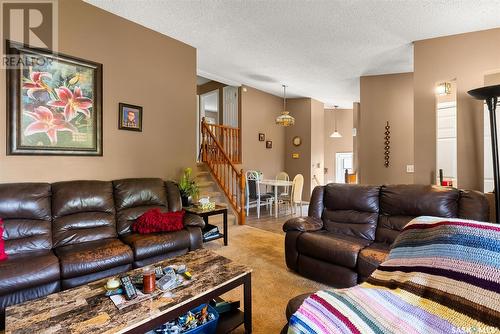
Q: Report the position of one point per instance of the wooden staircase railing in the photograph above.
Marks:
(229, 139)
(221, 165)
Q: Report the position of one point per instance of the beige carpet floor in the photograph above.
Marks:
(272, 283)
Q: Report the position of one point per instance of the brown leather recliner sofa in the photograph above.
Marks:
(61, 235)
(350, 228)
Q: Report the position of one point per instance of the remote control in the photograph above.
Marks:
(130, 291)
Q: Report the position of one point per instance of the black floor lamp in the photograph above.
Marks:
(490, 94)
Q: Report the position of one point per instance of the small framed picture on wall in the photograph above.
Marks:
(129, 117)
(269, 144)
(262, 137)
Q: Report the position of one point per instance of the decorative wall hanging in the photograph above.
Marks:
(262, 137)
(54, 104)
(129, 117)
(296, 141)
(387, 143)
(269, 144)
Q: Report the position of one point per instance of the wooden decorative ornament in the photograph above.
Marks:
(387, 143)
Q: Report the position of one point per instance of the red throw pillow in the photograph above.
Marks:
(156, 221)
(3, 255)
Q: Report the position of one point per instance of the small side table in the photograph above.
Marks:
(218, 210)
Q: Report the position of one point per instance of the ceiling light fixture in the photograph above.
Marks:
(335, 134)
(284, 119)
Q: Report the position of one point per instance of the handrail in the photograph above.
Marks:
(229, 139)
(230, 179)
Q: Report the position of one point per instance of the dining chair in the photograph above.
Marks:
(283, 176)
(253, 195)
(295, 197)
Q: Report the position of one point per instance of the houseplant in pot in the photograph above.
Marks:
(188, 187)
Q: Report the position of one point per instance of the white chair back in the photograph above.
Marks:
(252, 186)
(298, 185)
(283, 176)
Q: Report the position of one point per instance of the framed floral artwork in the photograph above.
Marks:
(129, 117)
(54, 104)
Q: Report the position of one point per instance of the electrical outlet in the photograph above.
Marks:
(410, 168)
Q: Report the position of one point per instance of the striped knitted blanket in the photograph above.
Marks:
(441, 276)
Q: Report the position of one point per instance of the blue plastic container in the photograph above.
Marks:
(208, 328)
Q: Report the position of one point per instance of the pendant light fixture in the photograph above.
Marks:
(335, 133)
(284, 119)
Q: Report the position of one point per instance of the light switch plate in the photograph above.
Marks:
(410, 168)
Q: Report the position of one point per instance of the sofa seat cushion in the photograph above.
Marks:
(94, 256)
(148, 245)
(370, 257)
(27, 270)
(334, 248)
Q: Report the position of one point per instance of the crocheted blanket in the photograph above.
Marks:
(441, 276)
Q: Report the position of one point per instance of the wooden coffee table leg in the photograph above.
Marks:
(247, 301)
(225, 227)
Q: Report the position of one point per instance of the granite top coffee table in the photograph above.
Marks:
(85, 309)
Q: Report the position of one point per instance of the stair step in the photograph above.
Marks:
(211, 194)
(205, 184)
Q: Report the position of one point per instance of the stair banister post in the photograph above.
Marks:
(242, 197)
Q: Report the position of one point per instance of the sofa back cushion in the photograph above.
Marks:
(25, 210)
(399, 204)
(351, 209)
(133, 197)
(82, 211)
(473, 205)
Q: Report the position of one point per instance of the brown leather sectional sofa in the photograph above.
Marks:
(350, 228)
(65, 234)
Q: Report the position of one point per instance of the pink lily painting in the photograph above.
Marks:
(55, 104)
(58, 107)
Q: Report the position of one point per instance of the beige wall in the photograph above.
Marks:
(385, 98)
(259, 111)
(317, 143)
(337, 145)
(466, 58)
(140, 67)
(301, 110)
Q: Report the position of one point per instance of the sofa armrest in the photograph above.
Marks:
(193, 220)
(303, 224)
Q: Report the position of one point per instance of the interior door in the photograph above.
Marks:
(230, 114)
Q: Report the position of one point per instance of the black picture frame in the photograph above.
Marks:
(262, 137)
(122, 122)
(14, 87)
(269, 144)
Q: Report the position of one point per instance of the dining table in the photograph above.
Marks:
(275, 184)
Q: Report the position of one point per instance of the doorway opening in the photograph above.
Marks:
(343, 162)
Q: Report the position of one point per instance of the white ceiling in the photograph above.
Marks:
(318, 48)
(201, 80)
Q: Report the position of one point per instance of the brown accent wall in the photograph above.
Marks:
(466, 58)
(385, 98)
(140, 67)
(259, 111)
(309, 126)
(301, 110)
(337, 145)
